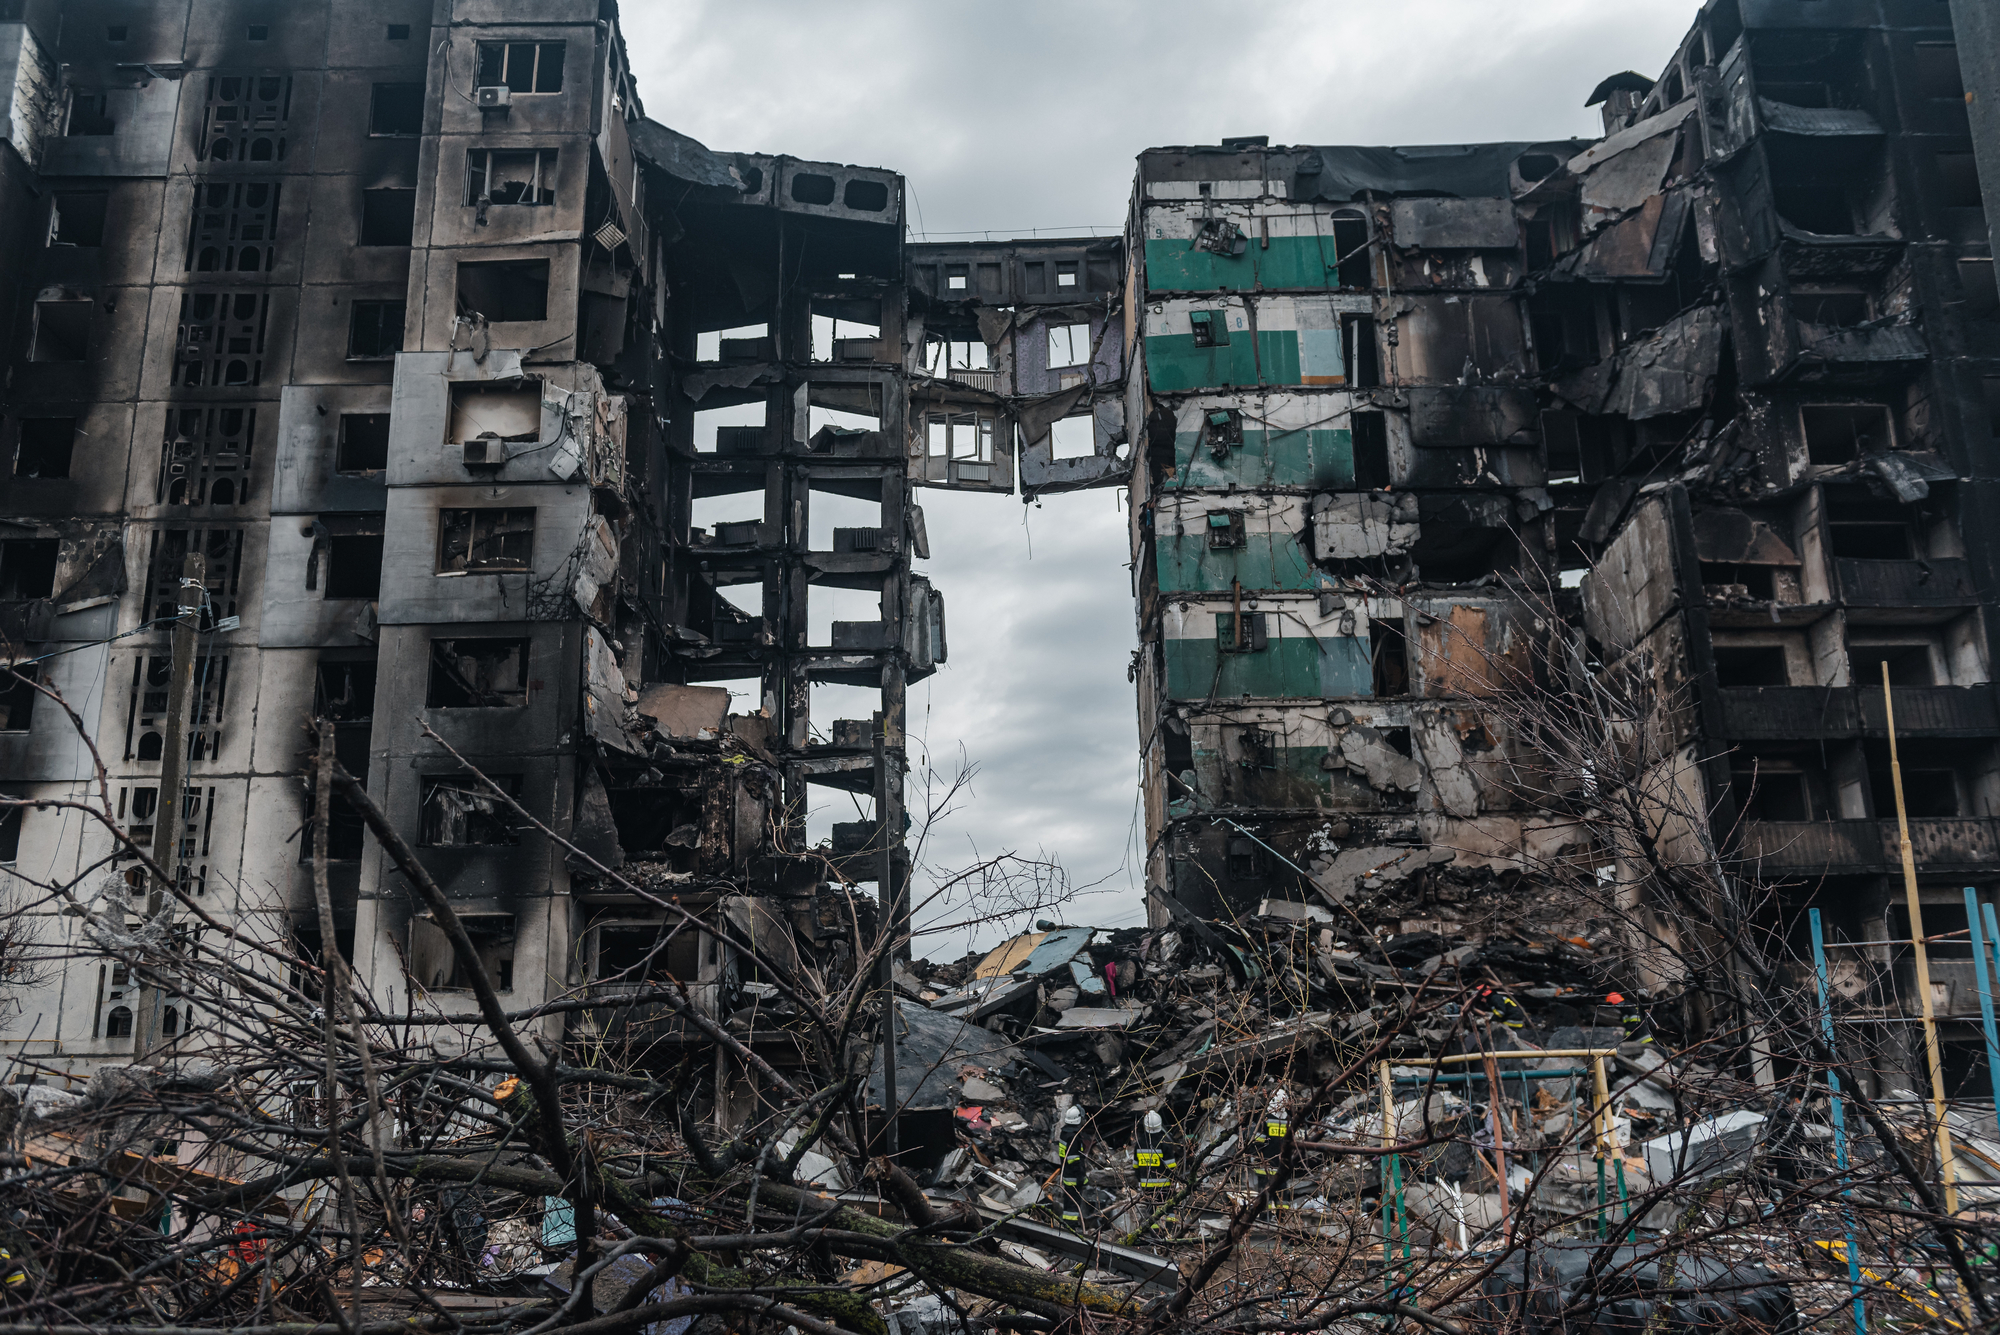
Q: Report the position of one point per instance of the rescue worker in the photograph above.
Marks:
(1070, 1169)
(1502, 1007)
(1633, 1016)
(1150, 1159)
(1273, 1132)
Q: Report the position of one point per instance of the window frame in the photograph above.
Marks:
(355, 309)
(506, 51)
(547, 164)
(522, 515)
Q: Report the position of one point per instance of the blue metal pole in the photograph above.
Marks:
(1839, 1128)
(1985, 993)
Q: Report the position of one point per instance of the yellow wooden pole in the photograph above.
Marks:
(1947, 1165)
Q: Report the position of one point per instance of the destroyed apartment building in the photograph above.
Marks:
(527, 440)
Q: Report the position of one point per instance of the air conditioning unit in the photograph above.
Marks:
(487, 451)
(497, 98)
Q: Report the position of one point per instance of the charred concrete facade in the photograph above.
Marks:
(406, 318)
(1713, 395)
(523, 433)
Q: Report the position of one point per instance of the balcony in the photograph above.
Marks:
(1810, 848)
(1791, 713)
(1944, 582)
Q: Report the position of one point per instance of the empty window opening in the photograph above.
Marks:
(1351, 259)
(363, 446)
(831, 511)
(485, 541)
(749, 342)
(354, 565)
(1362, 366)
(523, 67)
(812, 188)
(344, 689)
(43, 447)
(1751, 665)
(17, 697)
(375, 329)
(504, 290)
(27, 568)
(732, 510)
(629, 954)
(819, 419)
(497, 415)
(78, 218)
(396, 109)
(1830, 306)
(865, 196)
(388, 217)
(118, 1022)
(947, 357)
(1889, 540)
(1935, 65)
(478, 674)
(1756, 581)
(837, 340)
(1932, 789)
(1958, 181)
(11, 819)
(1842, 433)
(1765, 792)
(1069, 345)
(62, 331)
(735, 430)
(510, 176)
(89, 114)
(1389, 656)
(967, 437)
(844, 618)
(1909, 665)
(436, 966)
(1370, 434)
(957, 277)
(1066, 274)
(1975, 280)
(1073, 438)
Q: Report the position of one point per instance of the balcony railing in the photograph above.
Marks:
(1942, 582)
(1829, 846)
(1779, 713)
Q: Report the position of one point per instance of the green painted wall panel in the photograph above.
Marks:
(1272, 562)
(1291, 262)
(1174, 363)
(1315, 457)
(1335, 667)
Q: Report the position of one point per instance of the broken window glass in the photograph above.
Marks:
(1225, 529)
(523, 67)
(478, 674)
(462, 811)
(965, 436)
(485, 541)
(1247, 633)
(1210, 328)
(510, 176)
(1069, 345)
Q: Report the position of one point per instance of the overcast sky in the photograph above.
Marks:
(1025, 117)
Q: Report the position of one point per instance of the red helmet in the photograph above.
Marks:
(1613, 999)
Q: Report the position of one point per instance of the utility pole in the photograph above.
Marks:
(169, 813)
